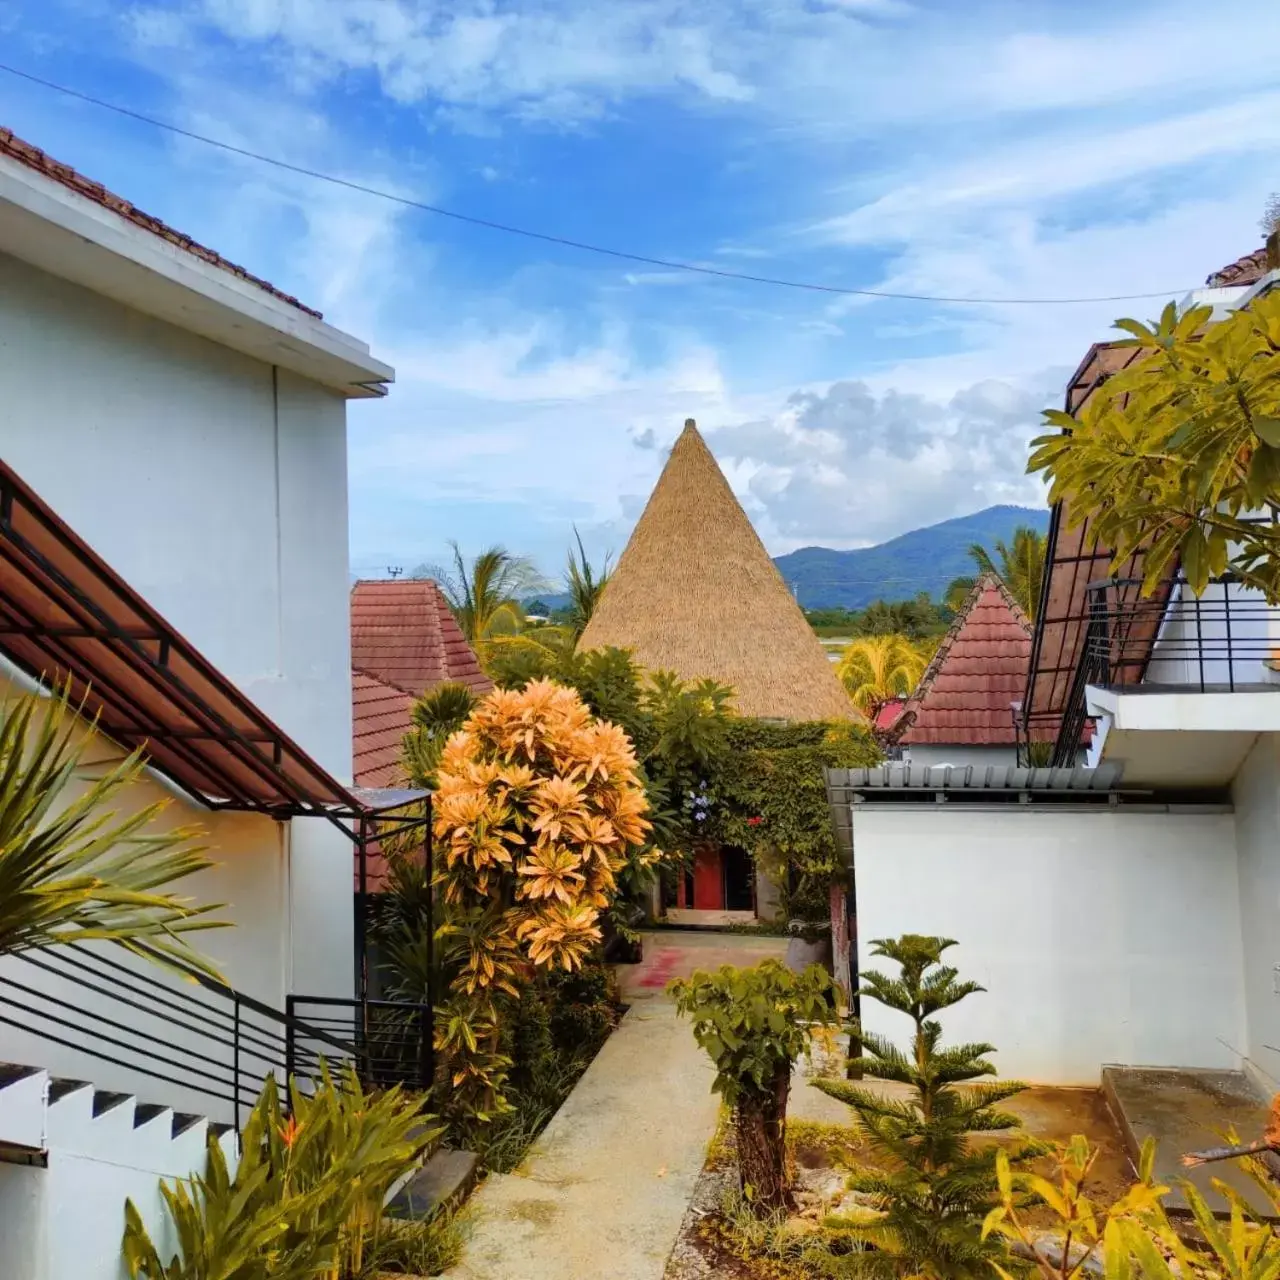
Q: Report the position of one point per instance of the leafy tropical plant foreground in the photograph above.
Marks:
(304, 1201)
(934, 1179)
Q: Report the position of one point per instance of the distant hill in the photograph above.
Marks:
(922, 560)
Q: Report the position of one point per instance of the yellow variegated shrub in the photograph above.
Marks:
(538, 807)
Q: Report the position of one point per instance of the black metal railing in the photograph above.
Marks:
(391, 1040)
(201, 1044)
(1219, 641)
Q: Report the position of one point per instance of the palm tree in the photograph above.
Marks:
(1020, 567)
(485, 595)
(957, 592)
(876, 668)
(585, 586)
(437, 715)
(72, 869)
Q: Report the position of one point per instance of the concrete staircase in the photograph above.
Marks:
(71, 1154)
(41, 1114)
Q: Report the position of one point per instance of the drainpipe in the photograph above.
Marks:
(855, 980)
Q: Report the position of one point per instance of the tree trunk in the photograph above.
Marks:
(761, 1122)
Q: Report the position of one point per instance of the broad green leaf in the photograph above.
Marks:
(1268, 430)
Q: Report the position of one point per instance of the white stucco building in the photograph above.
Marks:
(173, 535)
(1122, 910)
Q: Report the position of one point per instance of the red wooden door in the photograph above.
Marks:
(708, 881)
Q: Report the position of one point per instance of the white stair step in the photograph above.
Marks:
(70, 1111)
(39, 1112)
(188, 1141)
(109, 1131)
(23, 1095)
(152, 1133)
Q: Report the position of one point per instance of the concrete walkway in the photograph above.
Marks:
(604, 1189)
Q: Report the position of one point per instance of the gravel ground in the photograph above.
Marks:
(688, 1261)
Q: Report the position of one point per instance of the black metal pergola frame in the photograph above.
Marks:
(68, 621)
(1053, 687)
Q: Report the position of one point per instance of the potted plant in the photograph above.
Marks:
(808, 923)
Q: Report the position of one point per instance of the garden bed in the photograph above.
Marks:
(720, 1240)
(551, 1054)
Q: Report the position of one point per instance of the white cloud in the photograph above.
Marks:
(995, 151)
(847, 466)
(1040, 172)
(849, 65)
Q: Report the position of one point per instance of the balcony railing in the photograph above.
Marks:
(391, 1040)
(1222, 640)
(185, 1040)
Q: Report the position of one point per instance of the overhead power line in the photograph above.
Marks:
(567, 242)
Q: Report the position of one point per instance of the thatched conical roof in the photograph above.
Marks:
(695, 592)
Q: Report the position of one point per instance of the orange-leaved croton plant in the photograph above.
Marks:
(538, 807)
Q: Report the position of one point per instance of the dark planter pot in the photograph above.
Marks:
(618, 950)
(809, 943)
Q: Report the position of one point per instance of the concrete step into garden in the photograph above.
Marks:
(1186, 1110)
(441, 1183)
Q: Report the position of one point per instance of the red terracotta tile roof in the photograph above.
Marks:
(404, 634)
(888, 715)
(980, 669)
(24, 153)
(1247, 270)
(380, 718)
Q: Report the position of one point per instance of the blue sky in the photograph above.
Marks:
(1015, 149)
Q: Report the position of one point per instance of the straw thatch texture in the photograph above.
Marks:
(696, 593)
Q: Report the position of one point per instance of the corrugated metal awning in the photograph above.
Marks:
(67, 618)
(947, 777)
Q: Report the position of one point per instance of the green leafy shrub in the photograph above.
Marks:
(415, 1249)
(1132, 1237)
(932, 1188)
(305, 1201)
(754, 1024)
(438, 714)
(551, 1037)
(774, 803)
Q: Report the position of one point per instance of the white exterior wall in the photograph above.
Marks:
(1101, 936)
(250, 853)
(931, 753)
(1224, 642)
(66, 1221)
(216, 486)
(1256, 794)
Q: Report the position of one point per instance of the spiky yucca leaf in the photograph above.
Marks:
(72, 867)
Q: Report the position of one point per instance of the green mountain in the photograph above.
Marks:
(923, 560)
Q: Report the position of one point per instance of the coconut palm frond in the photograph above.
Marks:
(485, 595)
(1018, 564)
(585, 585)
(876, 668)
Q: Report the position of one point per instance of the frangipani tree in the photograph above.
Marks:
(1176, 452)
(539, 806)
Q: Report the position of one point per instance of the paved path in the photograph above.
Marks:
(603, 1191)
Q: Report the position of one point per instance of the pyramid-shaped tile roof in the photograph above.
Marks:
(404, 634)
(980, 669)
(695, 592)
